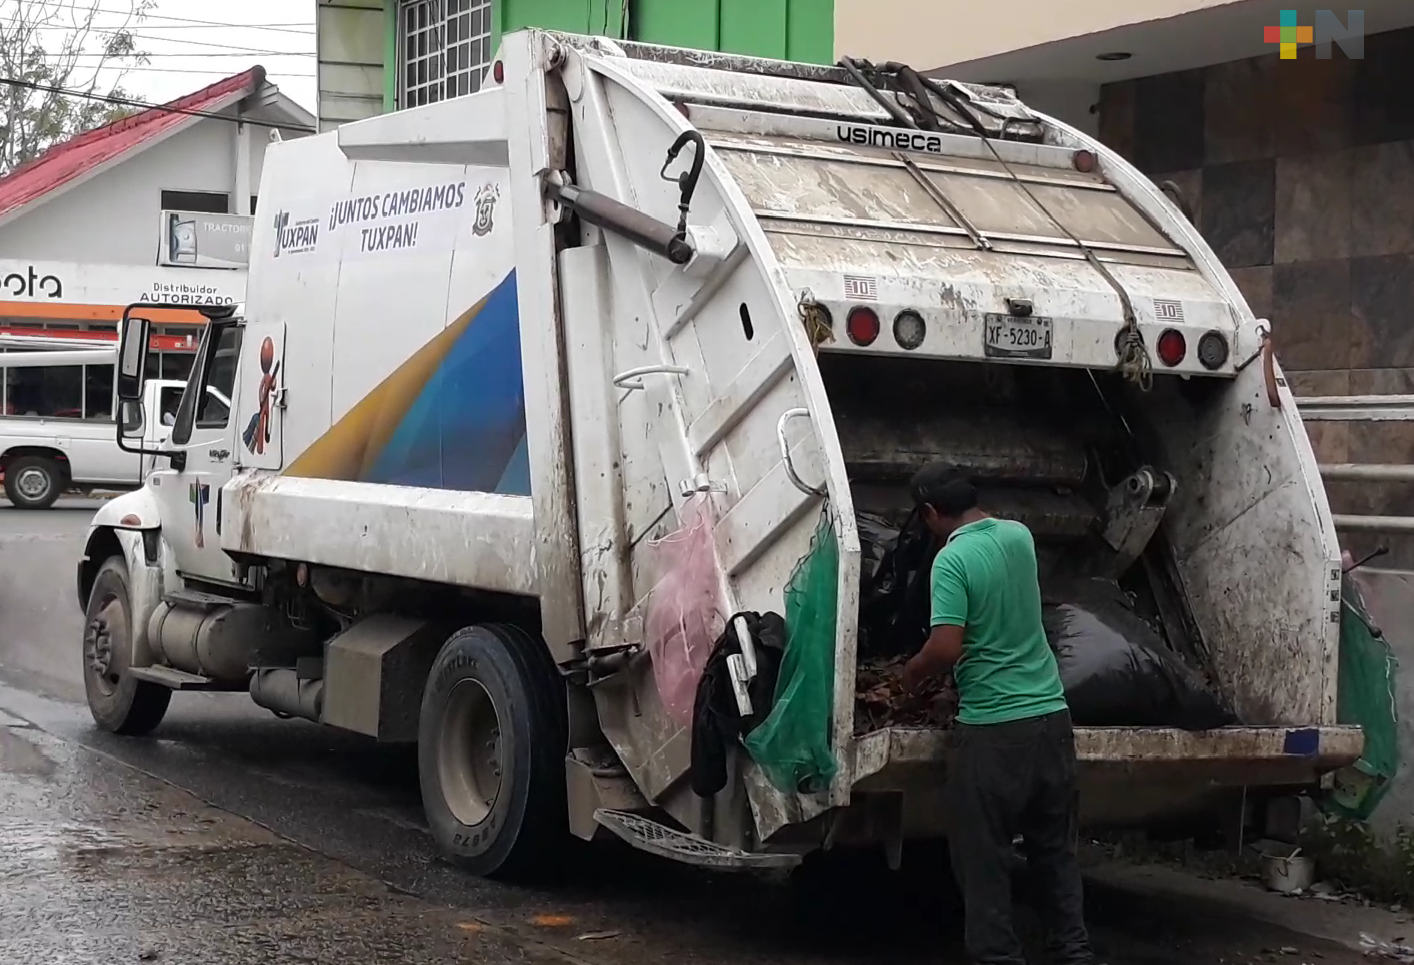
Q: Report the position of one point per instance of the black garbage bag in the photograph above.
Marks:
(894, 606)
(1118, 673)
(876, 540)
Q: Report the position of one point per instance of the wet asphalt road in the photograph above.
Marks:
(232, 836)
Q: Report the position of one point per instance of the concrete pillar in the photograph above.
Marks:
(240, 190)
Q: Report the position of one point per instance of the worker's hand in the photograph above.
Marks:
(915, 675)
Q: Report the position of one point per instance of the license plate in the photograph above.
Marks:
(1010, 337)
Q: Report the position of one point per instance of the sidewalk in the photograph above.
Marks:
(1340, 922)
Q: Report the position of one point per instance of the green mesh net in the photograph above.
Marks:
(792, 745)
(1365, 696)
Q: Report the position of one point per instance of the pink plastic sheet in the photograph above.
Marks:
(684, 616)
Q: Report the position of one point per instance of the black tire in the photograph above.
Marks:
(494, 691)
(24, 478)
(119, 703)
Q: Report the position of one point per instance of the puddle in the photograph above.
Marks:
(20, 756)
(58, 841)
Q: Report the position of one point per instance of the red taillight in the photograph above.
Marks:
(1084, 161)
(862, 325)
(498, 71)
(1172, 347)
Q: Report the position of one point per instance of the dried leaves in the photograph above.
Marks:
(881, 701)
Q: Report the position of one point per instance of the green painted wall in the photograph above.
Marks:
(604, 17)
(802, 30)
(390, 55)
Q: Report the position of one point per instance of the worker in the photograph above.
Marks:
(1014, 771)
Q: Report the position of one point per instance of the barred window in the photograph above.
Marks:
(444, 48)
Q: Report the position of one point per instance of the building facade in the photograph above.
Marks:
(379, 55)
(156, 207)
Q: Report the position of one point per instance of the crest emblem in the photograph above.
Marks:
(486, 198)
(282, 221)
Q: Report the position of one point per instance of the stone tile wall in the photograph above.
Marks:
(1300, 175)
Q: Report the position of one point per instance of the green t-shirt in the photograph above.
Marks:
(985, 581)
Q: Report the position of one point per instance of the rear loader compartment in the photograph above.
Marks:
(1050, 447)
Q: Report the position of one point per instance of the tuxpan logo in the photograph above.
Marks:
(297, 238)
(890, 139)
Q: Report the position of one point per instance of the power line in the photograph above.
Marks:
(127, 102)
(204, 43)
(199, 55)
(117, 62)
(85, 7)
(203, 73)
(277, 27)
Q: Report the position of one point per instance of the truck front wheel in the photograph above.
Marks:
(119, 702)
(33, 482)
(491, 752)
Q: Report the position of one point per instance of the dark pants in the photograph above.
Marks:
(1015, 779)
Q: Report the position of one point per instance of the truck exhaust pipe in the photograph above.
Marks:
(281, 690)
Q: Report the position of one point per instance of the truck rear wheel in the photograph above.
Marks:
(33, 482)
(118, 702)
(491, 752)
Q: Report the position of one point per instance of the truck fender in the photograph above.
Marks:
(136, 510)
(127, 526)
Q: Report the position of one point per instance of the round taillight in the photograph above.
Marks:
(909, 330)
(1212, 350)
(862, 325)
(1084, 161)
(1172, 348)
(498, 71)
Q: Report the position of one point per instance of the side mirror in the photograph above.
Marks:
(131, 417)
(132, 359)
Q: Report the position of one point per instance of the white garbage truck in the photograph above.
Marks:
(627, 339)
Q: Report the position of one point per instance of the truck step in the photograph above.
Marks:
(648, 835)
(195, 599)
(176, 679)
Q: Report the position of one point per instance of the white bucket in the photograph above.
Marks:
(1288, 874)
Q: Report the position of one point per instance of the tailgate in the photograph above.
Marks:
(1129, 775)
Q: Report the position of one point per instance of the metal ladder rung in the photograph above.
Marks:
(1367, 472)
(1357, 408)
(1374, 524)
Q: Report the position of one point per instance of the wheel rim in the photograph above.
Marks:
(32, 483)
(469, 753)
(105, 640)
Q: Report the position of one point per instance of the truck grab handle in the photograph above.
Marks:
(781, 438)
(643, 230)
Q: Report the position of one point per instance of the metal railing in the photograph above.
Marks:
(1364, 408)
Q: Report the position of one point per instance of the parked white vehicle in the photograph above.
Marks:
(498, 346)
(43, 457)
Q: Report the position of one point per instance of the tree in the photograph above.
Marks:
(62, 64)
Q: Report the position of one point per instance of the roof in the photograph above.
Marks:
(85, 154)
